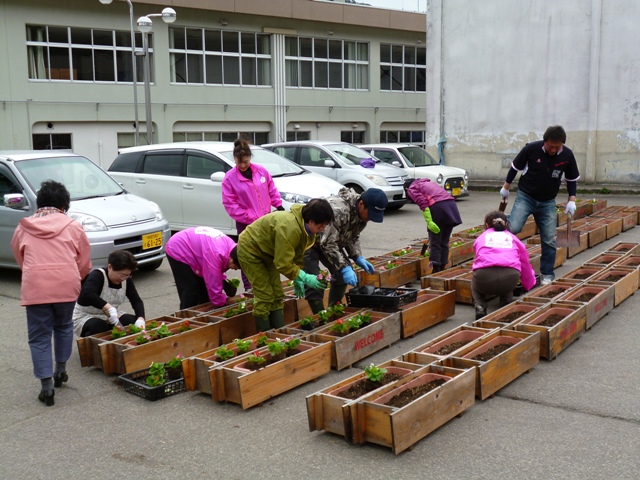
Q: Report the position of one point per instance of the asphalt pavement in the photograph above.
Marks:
(575, 417)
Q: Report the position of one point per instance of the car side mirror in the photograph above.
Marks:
(329, 163)
(217, 177)
(396, 163)
(15, 201)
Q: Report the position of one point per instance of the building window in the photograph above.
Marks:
(255, 138)
(416, 137)
(322, 63)
(297, 135)
(352, 136)
(129, 139)
(219, 57)
(83, 54)
(51, 141)
(403, 68)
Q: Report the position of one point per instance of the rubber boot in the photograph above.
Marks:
(316, 306)
(262, 323)
(336, 294)
(435, 268)
(276, 319)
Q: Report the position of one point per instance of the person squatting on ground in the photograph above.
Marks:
(102, 293)
(501, 260)
(541, 165)
(248, 191)
(199, 258)
(275, 244)
(441, 213)
(340, 242)
(54, 255)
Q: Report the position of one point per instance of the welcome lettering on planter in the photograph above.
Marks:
(373, 338)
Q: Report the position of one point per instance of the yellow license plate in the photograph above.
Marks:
(455, 192)
(151, 240)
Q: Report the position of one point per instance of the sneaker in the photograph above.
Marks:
(480, 312)
(546, 279)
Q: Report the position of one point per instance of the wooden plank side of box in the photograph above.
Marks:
(89, 349)
(430, 308)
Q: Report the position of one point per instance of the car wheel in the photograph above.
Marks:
(148, 267)
(356, 188)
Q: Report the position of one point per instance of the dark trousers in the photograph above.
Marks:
(492, 281)
(191, 288)
(439, 246)
(98, 325)
(245, 281)
(312, 259)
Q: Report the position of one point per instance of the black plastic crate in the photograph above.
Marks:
(131, 383)
(369, 297)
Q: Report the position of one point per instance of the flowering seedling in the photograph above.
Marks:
(262, 340)
(156, 374)
(175, 362)
(184, 326)
(163, 331)
(224, 353)
(117, 332)
(374, 373)
(324, 277)
(256, 358)
(324, 316)
(235, 283)
(243, 346)
(291, 343)
(144, 337)
(133, 329)
(339, 327)
(276, 348)
(306, 321)
(337, 310)
(401, 252)
(390, 265)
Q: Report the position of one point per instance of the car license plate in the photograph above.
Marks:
(151, 240)
(455, 192)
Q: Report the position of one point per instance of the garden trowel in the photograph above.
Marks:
(503, 205)
(568, 238)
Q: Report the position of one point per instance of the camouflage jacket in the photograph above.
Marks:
(344, 231)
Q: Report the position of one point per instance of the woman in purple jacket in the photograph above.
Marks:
(441, 213)
(501, 260)
(248, 191)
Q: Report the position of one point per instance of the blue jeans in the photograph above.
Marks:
(544, 214)
(43, 321)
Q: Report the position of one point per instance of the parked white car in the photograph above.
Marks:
(418, 163)
(185, 179)
(342, 162)
(112, 218)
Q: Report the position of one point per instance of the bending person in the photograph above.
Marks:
(103, 291)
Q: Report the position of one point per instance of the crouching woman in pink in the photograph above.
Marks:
(501, 260)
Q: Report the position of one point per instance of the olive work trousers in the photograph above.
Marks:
(265, 282)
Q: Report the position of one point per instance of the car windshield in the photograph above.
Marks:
(276, 165)
(350, 154)
(417, 157)
(82, 177)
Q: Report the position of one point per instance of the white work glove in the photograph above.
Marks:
(113, 316)
(140, 323)
(571, 208)
(504, 193)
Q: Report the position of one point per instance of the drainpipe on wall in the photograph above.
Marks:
(594, 86)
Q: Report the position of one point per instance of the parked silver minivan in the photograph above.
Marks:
(112, 218)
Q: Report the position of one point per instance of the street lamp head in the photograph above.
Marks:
(145, 25)
(169, 15)
(106, 2)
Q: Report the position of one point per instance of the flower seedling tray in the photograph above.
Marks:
(529, 229)
(407, 271)
(197, 367)
(554, 339)
(460, 253)
(509, 316)
(430, 308)
(463, 333)
(598, 306)
(502, 369)
(627, 248)
(329, 412)
(614, 226)
(444, 280)
(119, 357)
(135, 383)
(624, 286)
(400, 428)
(89, 347)
(381, 297)
(383, 330)
(249, 389)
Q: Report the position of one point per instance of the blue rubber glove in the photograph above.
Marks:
(430, 223)
(366, 266)
(310, 280)
(298, 288)
(349, 276)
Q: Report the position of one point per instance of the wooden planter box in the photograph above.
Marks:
(584, 242)
(604, 259)
(426, 353)
(383, 330)
(118, 357)
(471, 233)
(400, 428)
(629, 219)
(249, 389)
(529, 229)
(598, 206)
(295, 327)
(505, 367)
(407, 271)
(328, 412)
(597, 233)
(614, 226)
(89, 347)
(627, 248)
(462, 284)
(583, 273)
(431, 307)
(632, 261)
(559, 286)
(498, 318)
(555, 339)
(561, 217)
(598, 306)
(460, 253)
(205, 308)
(561, 257)
(625, 286)
(443, 280)
(534, 260)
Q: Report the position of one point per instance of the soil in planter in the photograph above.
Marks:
(622, 249)
(365, 386)
(633, 262)
(581, 276)
(493, 351)
(551, 320)
(409, 395)
(452, 347)
(585, 297)
(511, 316)
(338, 334)
(613, 278)
(550, 294)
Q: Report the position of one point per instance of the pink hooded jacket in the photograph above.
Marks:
(54, 254)
(425, 193)
(206, 250)
(504, 249)
(247, 200)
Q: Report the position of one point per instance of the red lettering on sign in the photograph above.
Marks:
(369, 339)
(601, 305)
(568, 331)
